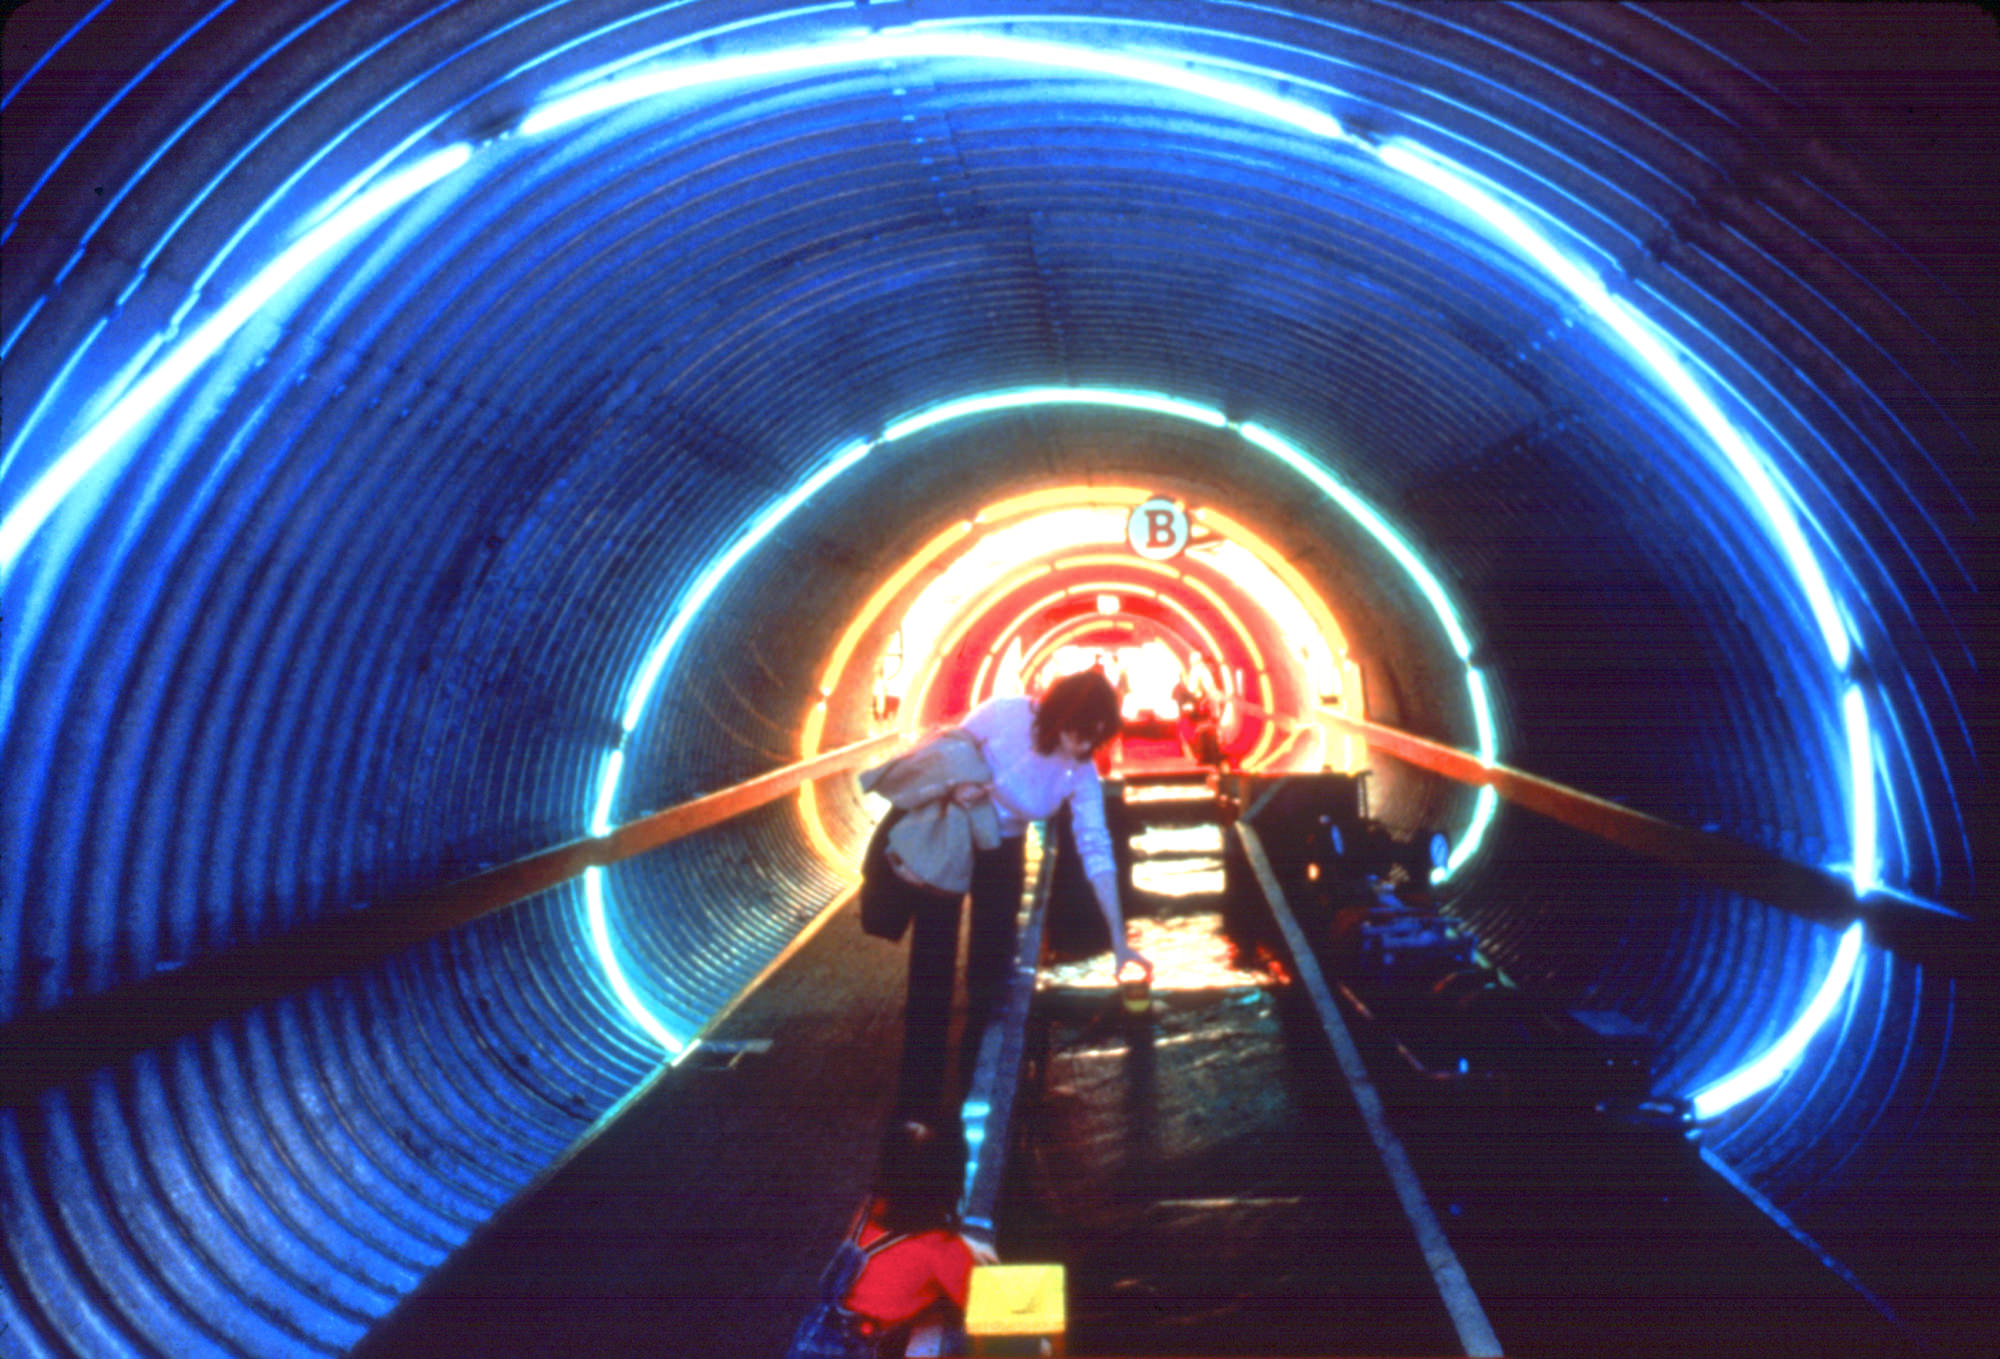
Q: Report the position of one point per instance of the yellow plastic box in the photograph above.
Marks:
(1015, 1310)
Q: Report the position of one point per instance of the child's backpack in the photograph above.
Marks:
(829, 1330)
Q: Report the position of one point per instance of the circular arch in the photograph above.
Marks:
(444, 439)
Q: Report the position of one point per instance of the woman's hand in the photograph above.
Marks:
(971, 794)
(1122, 953)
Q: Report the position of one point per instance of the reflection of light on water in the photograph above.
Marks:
(1178, 861)
(1168, 792)
(1178, 877)
(1178, 840)
(1189, 953)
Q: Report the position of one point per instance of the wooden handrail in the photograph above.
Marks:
(45, 1049)
(1711, 856)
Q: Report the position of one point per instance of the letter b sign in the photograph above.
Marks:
(1157, 529)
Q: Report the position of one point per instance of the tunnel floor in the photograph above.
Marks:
(1201, 1171)
(1199, 1168)
(697, 1220)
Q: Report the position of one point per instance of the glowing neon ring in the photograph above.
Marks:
(1256, 436)
(375, 199)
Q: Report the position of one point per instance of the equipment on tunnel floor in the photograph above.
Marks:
(1466, 1032)
(1460, 1025)
(1316, 827)
(1404, 944)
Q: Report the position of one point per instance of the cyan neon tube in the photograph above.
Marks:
(1759, 481)
(166, 378)
(1773, 1064)
(644, 685)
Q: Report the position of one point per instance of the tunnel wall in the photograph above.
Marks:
(359, 605)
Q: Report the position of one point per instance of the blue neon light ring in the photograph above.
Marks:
(640, 694)
(1418, 164)
(1486, 207)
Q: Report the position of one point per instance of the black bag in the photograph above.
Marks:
(888, 899)
(829, 1330)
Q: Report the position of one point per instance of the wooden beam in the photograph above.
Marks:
(1927, 932)
(45, 1049)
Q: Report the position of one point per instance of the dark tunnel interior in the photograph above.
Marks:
(436, 430)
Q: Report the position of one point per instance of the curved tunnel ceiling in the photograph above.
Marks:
(378, 449)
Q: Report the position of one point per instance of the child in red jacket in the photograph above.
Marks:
(904, 1263)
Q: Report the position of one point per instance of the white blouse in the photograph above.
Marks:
(1029, 785)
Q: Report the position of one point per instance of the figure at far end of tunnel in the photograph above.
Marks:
(961, 802)
(1200, 722)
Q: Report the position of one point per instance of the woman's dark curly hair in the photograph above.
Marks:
(1083, 704)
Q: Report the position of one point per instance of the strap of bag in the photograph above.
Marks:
(880, 1243)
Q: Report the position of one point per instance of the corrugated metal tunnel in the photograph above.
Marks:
(438, 431)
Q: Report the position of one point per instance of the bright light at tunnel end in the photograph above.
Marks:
(646, 682)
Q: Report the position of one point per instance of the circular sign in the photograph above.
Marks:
(1158, 529)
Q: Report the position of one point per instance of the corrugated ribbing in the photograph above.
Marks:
(357, 602)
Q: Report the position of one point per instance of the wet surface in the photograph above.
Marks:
(1203, 1173)
(1199, 1168)
(1582, 1212)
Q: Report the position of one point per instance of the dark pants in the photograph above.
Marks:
(997, 878)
